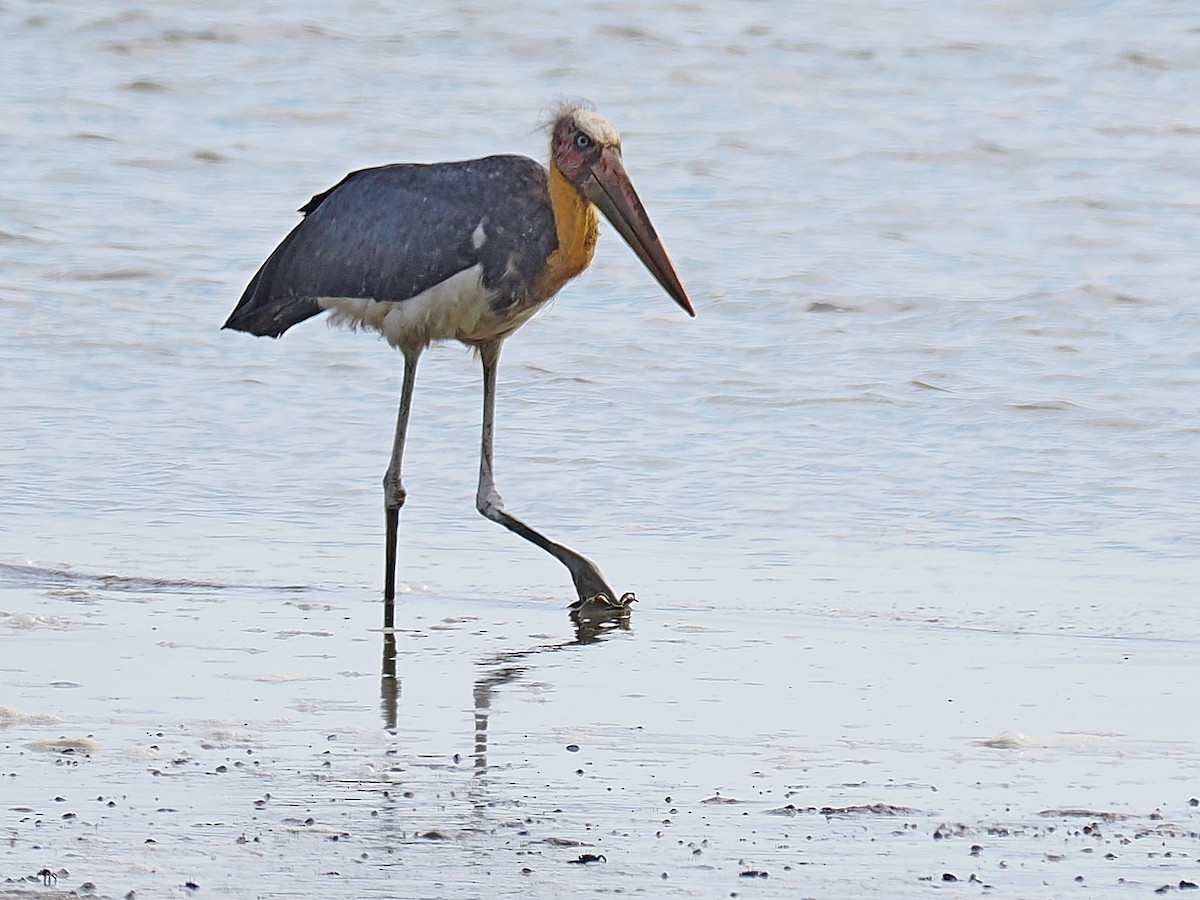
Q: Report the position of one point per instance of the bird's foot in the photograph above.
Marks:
(602, 600)
(599, 614)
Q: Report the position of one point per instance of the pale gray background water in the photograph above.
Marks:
(945, 368)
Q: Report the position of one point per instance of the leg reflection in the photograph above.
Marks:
(503, 668)
(591, 623)
(484, 688)
(389, 684)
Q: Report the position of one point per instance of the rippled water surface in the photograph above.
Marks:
(912, 508)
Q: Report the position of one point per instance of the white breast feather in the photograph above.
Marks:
(457, 308)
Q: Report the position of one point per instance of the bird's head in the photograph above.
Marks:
(580, 138)
(586, 149)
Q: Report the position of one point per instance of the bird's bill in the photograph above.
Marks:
(611, 190)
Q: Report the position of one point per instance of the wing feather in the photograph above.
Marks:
(391, 232)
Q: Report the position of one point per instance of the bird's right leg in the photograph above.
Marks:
(393, 488)
(589, 583)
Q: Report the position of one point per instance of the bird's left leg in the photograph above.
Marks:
(589, 583)
(393, 488)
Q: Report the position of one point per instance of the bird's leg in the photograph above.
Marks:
(589, 583)
(393, 489)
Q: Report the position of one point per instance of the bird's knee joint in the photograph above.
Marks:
(488, 503)
(394, 493)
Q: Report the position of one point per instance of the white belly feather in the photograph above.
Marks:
(458, 308)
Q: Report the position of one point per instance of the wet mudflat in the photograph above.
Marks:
(296, 750)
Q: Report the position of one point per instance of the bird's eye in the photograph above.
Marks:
(582, 140)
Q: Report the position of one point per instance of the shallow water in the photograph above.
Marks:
(912, 508)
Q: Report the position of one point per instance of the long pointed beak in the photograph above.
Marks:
(612, 191)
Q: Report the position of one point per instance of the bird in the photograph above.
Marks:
(467, 251)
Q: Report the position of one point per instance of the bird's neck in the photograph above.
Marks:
(577, 227)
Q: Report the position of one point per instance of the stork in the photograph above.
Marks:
(464, 251)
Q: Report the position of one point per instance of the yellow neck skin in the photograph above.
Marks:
(577, 226)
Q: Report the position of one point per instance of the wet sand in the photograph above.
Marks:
(184, 739)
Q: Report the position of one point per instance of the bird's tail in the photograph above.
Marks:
(268, 309)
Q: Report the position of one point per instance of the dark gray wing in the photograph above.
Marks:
(391, 232)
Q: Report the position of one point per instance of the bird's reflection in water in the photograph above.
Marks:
(389, 684)
(591, 623)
